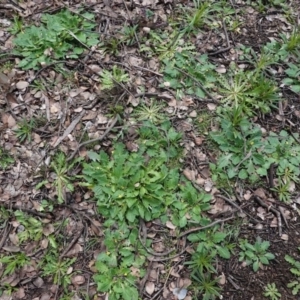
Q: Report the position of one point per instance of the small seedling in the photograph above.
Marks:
(188, 75)
(32, 228)
(58, 269)
(14, 262)
(17, 26)
(202, 261)
(63, 181)
(110, 46)
(272, 292)
(206, 286)
(256, 254)
(293, 79)
(251, 90)
(292, 42)
(295, 270)
(129, 33)
(151, 112)
(5, 159)
(25, 129)
(213, 241)
(110, 79)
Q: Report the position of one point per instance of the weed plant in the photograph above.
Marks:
(184, 71)
(256, 254)
(151, 112)
(110, 79)
(247, 155)
(295, 270)
(24, 130)
(61, 35)
(272, 292)
(5, 159)
(132, 185)
(63, 181)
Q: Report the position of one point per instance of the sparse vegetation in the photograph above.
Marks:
(111, 191)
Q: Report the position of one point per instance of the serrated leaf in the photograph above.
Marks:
(223, 252)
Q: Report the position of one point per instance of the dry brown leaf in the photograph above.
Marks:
(189, 174)
(247, 195)
(159, 247)
(38, 282)
(260, 192)
(184, 282)
(170, 225)
(193, 114)
(78, 280)
(222, 279)
(150, 287)
(22, 85)
(221, 69)
(101, 119)
(44, 243)
(211, 106)
(4, 80)
(11, 248)
(11, 122)
(14, 238)
(48, 229)
(74, 251)
(135, 271)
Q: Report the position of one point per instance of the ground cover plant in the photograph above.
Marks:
(149, 150)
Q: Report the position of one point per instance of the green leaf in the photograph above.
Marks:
(255, 266)
(223, 252)
(295, 88)
(243, 174)
(219, 237)
(269, 256)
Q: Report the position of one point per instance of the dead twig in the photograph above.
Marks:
(273, 210)
(144, 230)
(204, 227)
(75, 239)
(199, 84)
(69, 129)
(237, 207)
(113, 123)
(27, 210)
(5, 234)
(227, 42)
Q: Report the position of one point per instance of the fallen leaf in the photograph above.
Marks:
(150, 287)
(38, 282)
(78, 280)
(222, 279)
(22, 85)
(11, 248)
(180, 293)
(170, 225)
(211, 106)
(4, 80)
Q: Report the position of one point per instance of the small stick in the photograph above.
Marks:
(198, 83)
(97, 139)
(204, 227)
(69, 129)
(273, 210)
(75, 239)
(227, 42)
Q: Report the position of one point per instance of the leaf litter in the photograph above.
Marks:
(75, 111)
